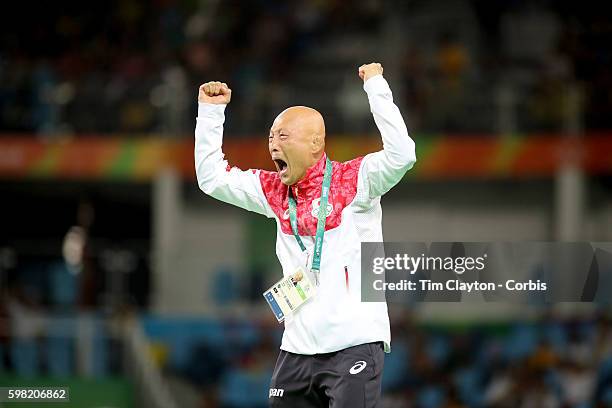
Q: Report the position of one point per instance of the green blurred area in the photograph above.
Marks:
(261, 246)
(115, 392)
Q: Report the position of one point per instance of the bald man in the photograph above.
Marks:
(332, 350)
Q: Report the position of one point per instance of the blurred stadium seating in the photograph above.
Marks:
(121, 280)
(456, 66)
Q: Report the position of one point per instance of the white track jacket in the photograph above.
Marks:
(335, 318)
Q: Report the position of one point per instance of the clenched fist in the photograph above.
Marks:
(215, 92)
(367, 71)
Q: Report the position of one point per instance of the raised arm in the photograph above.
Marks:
(382, 170)
(215, 178)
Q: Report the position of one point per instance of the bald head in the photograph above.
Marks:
(297, 141)
(307, 122)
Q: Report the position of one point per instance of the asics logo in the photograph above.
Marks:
(358, 367)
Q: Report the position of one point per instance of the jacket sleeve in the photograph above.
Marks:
(384, 169)
(215, 178)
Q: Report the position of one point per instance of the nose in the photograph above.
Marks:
(273, 144)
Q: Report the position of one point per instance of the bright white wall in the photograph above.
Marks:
(440, 222)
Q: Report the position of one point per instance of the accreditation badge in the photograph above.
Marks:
(287, 295)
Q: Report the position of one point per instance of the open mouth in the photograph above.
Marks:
(281, 165)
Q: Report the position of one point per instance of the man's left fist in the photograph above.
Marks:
(367, 71)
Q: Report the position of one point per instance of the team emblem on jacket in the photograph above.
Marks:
(316, 204)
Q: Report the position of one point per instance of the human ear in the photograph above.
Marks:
(317, 143)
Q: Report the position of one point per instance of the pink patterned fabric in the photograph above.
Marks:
(308, 192)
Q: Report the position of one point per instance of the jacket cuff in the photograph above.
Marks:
(210, 110)
(375, 83)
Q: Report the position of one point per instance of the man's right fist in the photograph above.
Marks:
(215, 92)
(367, 71)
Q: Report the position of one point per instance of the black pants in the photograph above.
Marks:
(348, 378)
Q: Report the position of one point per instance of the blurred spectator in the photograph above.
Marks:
(129, 67)
(450, 75)
(27, 323)
(530, 31)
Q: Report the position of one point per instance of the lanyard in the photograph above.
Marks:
(318, 247)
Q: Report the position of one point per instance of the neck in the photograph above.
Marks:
(315, 159)
(315, 169)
